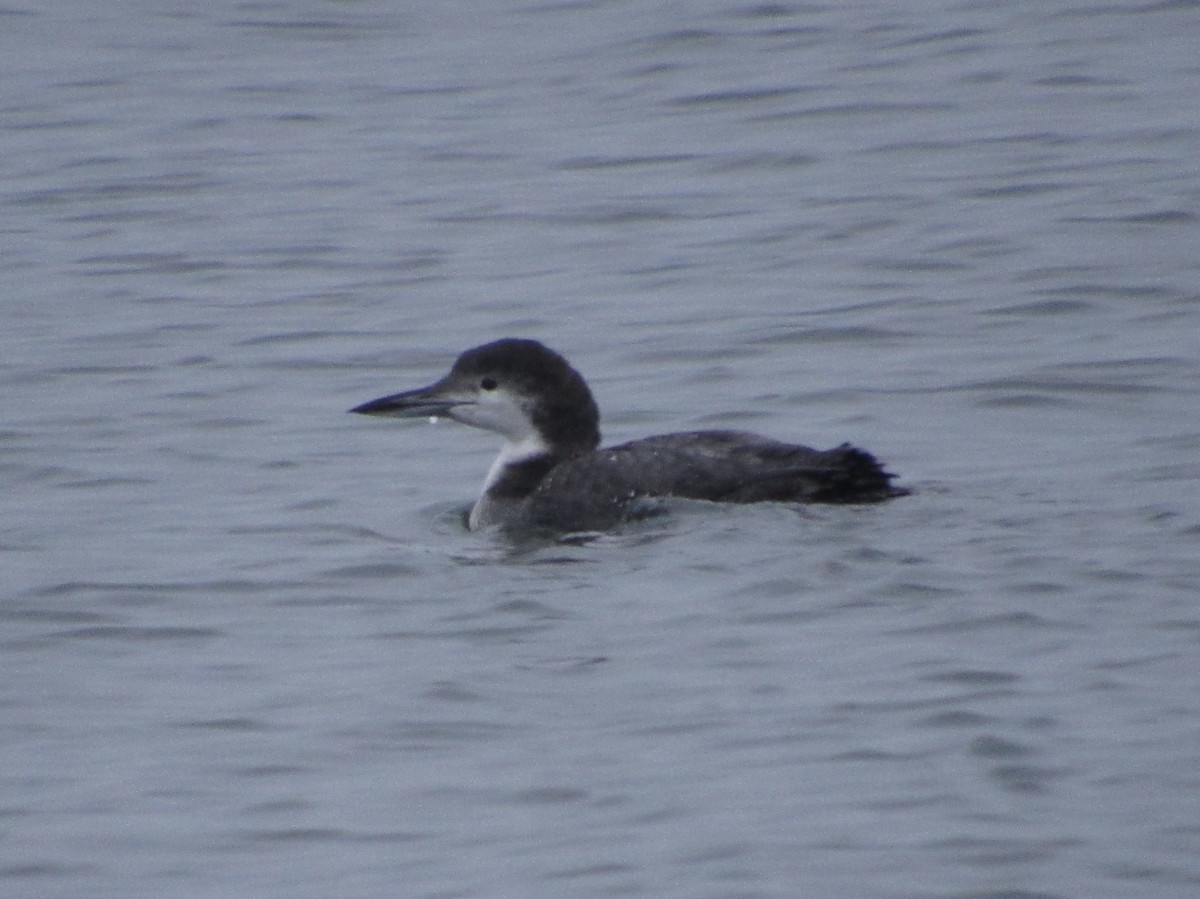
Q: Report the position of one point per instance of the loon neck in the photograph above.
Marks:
(515, 479)
(508, 484)
(514, 475)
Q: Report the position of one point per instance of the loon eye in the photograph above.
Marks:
(488, 384)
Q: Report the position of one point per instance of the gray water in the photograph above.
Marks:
(247, 648)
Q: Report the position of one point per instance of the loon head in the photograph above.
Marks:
(518, 388)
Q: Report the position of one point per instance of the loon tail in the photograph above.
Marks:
(844, 474)
(851, 475)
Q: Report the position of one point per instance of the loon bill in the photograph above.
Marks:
(551, 472)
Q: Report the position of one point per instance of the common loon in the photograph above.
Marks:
(551, 473)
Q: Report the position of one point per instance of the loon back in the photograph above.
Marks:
(718, 466)
(551, 474)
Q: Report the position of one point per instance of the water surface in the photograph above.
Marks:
(248, 648)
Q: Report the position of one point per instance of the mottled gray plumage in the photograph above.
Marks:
(551, 474)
